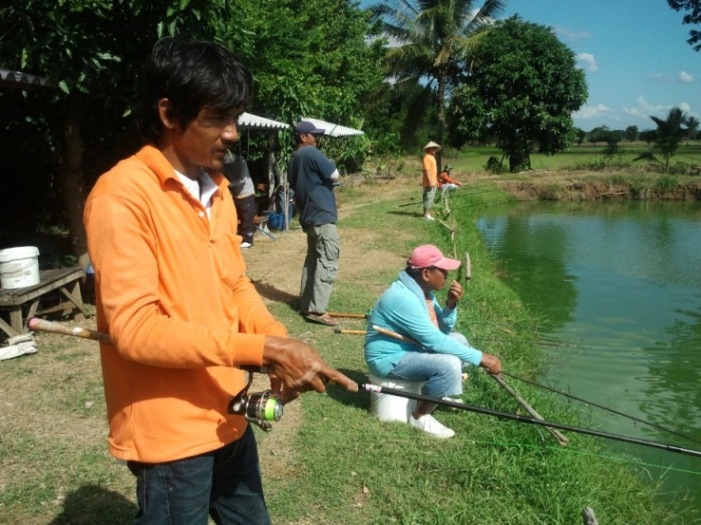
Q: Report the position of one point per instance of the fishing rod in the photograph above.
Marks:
(260, 408)
(369, 387)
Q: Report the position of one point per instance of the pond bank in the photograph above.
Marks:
(599, 186)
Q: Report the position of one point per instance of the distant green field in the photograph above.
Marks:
(474, 159)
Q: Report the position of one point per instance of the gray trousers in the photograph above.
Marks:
(320, 267)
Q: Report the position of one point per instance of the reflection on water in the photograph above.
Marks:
(619, 288)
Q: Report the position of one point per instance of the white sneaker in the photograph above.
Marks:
(245, 245)
(429, 218)
(429, 424)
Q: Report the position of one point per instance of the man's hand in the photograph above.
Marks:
(491, 363)
(455, 293)
(299, 368)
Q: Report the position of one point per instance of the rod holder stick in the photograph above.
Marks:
(344, 331)
(561, 439)
(349, 315)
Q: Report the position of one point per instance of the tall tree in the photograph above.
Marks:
(523, 87)
(693, 17)
(433, 40)
(91, 50)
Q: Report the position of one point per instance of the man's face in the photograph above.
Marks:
(309, 139)
(205, 140)
(436, 277)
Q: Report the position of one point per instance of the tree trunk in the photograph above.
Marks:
(73, 181)
(519, 154)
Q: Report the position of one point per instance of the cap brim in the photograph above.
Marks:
(447, 264)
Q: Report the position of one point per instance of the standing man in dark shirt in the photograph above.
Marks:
(311, 176)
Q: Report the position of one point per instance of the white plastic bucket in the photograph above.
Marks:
(393, 408)
(19, 267)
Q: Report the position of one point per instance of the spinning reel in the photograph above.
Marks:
(259, 407)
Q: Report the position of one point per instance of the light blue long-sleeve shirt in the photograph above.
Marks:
(403, 309)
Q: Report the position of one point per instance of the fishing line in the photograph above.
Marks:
(463, 194)
(613, 411)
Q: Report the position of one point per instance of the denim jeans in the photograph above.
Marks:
(442, 373)
(224, 484)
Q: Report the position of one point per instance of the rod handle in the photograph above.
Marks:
(43, 325)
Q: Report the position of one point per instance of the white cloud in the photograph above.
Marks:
(591, 112)
(647, 108)
(589, 61)
(685, 77)
(686, 108)
(569, 34)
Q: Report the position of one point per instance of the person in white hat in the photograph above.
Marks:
(430, 177)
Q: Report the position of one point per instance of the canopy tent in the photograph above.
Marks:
(334, 130)
(19, 80)
(250, 121)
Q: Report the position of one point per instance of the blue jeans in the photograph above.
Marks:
(441, 373)
(224, 484)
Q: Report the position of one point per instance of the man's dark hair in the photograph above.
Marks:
(413, 272)
(193, 75)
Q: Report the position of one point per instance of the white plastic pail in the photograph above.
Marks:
(19, 267)
(393, 408)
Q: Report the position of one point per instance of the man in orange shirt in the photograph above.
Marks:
(173, 295)
(430, 177)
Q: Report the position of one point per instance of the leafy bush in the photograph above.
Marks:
(494, 165)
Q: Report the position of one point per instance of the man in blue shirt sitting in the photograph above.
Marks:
(437, 354)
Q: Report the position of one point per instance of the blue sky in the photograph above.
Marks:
(634, 53)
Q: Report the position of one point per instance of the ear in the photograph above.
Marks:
(165, 113)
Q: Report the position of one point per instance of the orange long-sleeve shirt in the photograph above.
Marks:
(173, 295)
(430, 171)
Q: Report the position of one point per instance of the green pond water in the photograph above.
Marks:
(618, 287)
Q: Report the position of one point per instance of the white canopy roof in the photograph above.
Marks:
(19, 80)
(334, 130)
(247, 120)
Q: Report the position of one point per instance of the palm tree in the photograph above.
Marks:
(431, 40)
(669, 135)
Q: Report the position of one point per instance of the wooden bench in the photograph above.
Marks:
(65, 280)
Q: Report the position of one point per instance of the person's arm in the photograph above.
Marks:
(411, 320)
